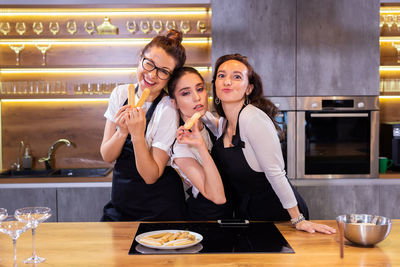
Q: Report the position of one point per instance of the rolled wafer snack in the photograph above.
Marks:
(131, 95)
(151, 241)
(189, 124)
(145, 95)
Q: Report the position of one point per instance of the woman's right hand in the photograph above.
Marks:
(120, 120)
(193, 137)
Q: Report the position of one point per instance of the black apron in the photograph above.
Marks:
(203, 209)
(134, 200)
(252, 195)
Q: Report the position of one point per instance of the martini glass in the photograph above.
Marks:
(3, 214)
(14, 228)
(17, 48)
(43, 48)
(33, 216)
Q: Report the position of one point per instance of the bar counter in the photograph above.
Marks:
(107, 244)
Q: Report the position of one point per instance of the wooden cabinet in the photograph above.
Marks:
(88, 51)
(390, 49)
(337, 48)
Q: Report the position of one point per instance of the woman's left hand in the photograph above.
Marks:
(136, 123)
(315, 227)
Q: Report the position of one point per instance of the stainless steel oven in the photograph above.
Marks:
(287, 121)
(337, 137)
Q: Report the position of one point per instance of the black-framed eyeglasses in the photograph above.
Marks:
(149, 65)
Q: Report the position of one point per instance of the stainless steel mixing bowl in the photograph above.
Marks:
(364, 229)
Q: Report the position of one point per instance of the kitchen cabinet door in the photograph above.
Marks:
(337, 47)
(265, 32)
(82, 204)
(15, 198)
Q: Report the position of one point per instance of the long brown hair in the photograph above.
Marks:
(177, 75)
(172, 44)
(255, 98)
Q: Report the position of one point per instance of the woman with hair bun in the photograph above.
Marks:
(144, 188)
(248, 153)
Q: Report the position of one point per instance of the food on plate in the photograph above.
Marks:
(169, 239)
(142, 99)
(131, 95)
(189, 124)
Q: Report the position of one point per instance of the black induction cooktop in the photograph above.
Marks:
(255, 237)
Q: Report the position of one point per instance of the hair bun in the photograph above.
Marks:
(175, 35)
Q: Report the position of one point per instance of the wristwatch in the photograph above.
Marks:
(298, 219)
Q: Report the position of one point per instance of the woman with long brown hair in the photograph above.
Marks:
(248, 153)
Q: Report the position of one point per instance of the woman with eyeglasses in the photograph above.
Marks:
(144, 188)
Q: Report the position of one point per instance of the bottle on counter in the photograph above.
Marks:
(27, 158)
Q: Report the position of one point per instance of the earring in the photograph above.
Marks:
(247, 100)
(217, 100)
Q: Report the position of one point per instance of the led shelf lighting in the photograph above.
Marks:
(175, 11)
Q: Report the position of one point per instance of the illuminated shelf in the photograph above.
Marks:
(77, 70)
(389, 68)
(100, 41)
(389, 39)
(389, 10)
(171, 11)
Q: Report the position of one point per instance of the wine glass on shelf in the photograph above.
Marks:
(14, 228)
(89, 27)
(17, 48)
(33, 216)
(5, 27)
(54, 27)
(43, 47)
(20, 28)
(37, 27)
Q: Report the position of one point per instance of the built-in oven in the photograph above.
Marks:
(287, 121)
(337, 137)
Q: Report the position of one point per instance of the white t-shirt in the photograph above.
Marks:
(263, 151)
(162, 127)
(187, 151)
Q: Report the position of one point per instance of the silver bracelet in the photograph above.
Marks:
(298, 219)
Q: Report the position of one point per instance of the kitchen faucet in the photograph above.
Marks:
(17, 165)
(47, 160)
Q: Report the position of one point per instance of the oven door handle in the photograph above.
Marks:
(338, 115)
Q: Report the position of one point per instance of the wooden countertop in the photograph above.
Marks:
(107, 244)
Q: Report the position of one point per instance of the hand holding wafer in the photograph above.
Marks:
(189, 124)
(143, 98)
(131, 95)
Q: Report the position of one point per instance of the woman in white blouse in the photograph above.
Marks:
(190, 154)
(248, 153)
(144, 188)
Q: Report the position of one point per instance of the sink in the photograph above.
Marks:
(24, 173)
(70, 172)
(81, 172)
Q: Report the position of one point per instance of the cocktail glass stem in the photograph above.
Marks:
(33, 243)
(44, 58)
(15, 251)
(17, 58)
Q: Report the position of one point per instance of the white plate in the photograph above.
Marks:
(190, 250)
(198, 237)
